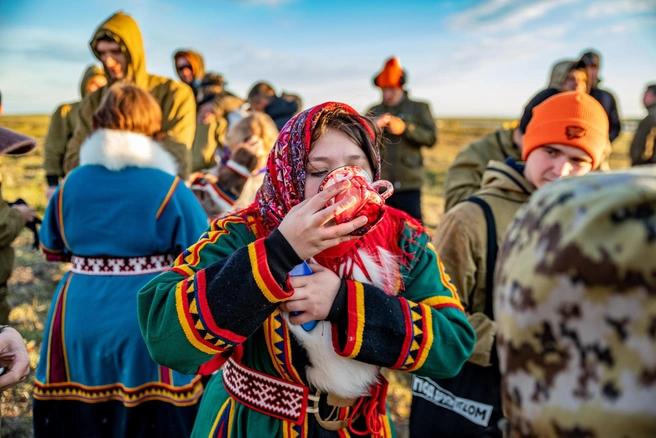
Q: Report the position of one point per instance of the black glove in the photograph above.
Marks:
(30, 225)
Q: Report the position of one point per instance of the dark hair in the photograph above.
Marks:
(591, 57)
(261, 89)
(578, 65)
(106, 37)
(213, 79)
(651, 88)
(0, 98)
(351, 125)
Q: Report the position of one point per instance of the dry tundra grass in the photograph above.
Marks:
(34, 280)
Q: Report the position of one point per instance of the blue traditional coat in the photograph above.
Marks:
(121, 217)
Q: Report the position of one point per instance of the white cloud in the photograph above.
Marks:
(620, 7)
(44, 44)
(500, 15)
(628, 25)
(489, 51)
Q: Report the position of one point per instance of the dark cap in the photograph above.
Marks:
(578, 65)
(590, 58)
(13, 143)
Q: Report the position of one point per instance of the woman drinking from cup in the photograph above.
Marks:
(381, 299)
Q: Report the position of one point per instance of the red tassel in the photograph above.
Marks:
(372, 410)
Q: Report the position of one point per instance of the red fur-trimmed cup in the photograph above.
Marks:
(369, 198)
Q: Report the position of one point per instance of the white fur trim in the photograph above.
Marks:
(117, 150)
(331, 372)
(223, 204)
(238, 168)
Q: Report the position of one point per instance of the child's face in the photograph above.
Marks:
(334, 149)
(550, 162)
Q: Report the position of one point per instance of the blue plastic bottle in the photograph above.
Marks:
(299, 271)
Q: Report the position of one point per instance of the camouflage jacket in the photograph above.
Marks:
(575, 304)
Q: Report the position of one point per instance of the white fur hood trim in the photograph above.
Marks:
(117, 150)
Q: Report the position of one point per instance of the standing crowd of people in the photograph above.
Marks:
(227, 280)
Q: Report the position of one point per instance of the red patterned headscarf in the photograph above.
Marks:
(284, 181)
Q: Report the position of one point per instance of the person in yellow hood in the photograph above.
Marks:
(190, 67)
(62, 125)
(117, 43)
(213, 101)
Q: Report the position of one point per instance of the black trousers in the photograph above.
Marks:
(408, 201)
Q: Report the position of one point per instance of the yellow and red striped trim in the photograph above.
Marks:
(409, 334)
(191, 256)
(60, 302)
(293, 430)
(218, 228)
(60, 213)
(288, 354)
(187, 323)
(179, 396)
(427, 341)
(439, 302)
(269, 333)
(203, 308)
(168, 197)
(223, 423)
(262, 275)
(445, 279)
(356, 321)
(387, 426)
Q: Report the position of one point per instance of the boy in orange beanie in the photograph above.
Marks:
(566, 137)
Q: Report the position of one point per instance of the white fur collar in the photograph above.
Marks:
(330, 372)
(117, 150)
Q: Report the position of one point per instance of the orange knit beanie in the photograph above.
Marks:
(391, 75)
(571, 119)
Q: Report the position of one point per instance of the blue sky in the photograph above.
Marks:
(467, 58)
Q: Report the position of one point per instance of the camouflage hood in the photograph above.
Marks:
(124, 30)
(559, 73)
(90, 72)
(575, 300)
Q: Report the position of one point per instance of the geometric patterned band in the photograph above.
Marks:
(106, 265)
(264, 393)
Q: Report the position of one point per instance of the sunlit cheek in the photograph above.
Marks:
(311, 187)
(565, 168)
(582, 168)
